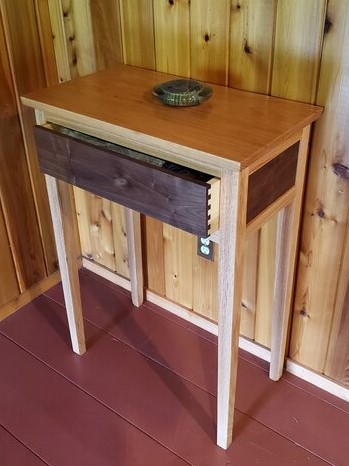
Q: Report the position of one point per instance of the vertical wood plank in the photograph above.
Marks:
(138, 33)
(8, 282)
(337, 359)
(80, 53)
(172, 45)
(101, 233)
(59, 44)
(46, 41)
(327, 200)
(29, 74)
(79, 37)
(178, 253)
(297, 52)
(209, 40)
(250, 67)
(120, 240)
(251, 45)
(231, 259)
(298, 45)
(171, 274)
(337, 363)
(106, 23)
(15, 186)
(205, 277)
(155, 256)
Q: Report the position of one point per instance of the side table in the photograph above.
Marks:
(107, 134)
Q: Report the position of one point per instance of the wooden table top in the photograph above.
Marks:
(233, 129)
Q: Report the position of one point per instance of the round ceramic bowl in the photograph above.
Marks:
(182, 92)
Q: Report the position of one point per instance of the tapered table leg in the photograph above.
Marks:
(63, 217)
(231, 258)
(134, 244)
(286, 249)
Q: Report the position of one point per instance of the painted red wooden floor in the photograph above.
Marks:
(145, 394)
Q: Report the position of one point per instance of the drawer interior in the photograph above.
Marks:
(124, 151)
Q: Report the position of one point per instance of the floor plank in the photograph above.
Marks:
(303, 418)
(13, 452)
(63, 425)
(176, 413)
(148, 332)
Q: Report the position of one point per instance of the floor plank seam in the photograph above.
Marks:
(149, 306)
(165, 368)
(139, 351)
(164, 314)
(209, 392)
(24, 445)
(285, 437)
(67, 379)
(247, 360)
(184, 325)
(316, 396)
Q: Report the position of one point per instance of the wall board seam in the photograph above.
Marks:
(25, 144)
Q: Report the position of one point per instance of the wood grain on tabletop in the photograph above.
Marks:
(126, 102)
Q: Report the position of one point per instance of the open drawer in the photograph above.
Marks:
(176, 195)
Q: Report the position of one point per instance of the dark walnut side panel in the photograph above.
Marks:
(271, 181)
(166, 196)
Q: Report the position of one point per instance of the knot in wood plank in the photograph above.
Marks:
(341, 170)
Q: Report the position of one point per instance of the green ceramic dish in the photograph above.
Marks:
(182, 92)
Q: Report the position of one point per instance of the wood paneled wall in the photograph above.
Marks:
(28, 257)
(293, 49)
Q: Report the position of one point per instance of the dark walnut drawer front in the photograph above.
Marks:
(181, 197)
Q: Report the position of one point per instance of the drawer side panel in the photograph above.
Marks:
(272, 180)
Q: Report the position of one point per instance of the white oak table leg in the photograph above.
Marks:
(62, 211)
(282, 297)
(286, 248)
(134, 243)
(230, 273)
